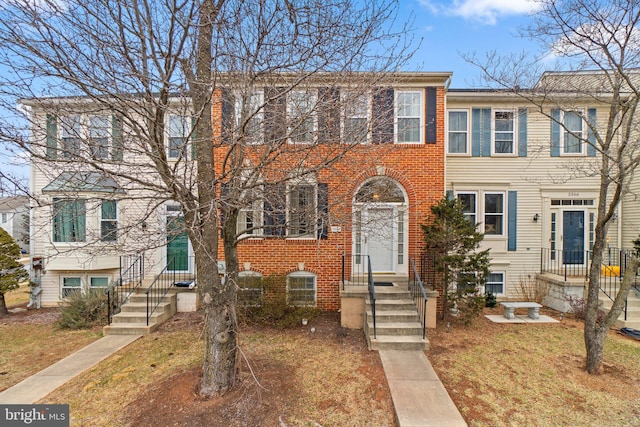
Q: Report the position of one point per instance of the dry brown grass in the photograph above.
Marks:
(17, 297)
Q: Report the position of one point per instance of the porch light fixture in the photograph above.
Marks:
(536, 217)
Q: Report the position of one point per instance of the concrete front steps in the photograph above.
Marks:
(132, 319)
(633, 310)
(398, 324)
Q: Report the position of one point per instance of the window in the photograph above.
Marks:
(458, 132)
(70, 285)
(4, 217)
(495, 283)
(409, 116)
(98, 282)
(494, 213)
(108, 221)
(572, 133)
(250, 215)
(71, 136)
(468, 201)
(250, 289)
(99, 132)
(466, 282)
(250, 115)
(301, 289)
(503, 132)
(178, 132)
(302, 210)
(69, 220)
(356, 119)
(302, 117)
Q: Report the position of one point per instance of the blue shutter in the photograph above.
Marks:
(52, 137)
(591, 137)
(512, 224)
(323, 210)
(522, 132)
(555, 132)
(431, 133)
(476, 136)
(116, 138)
(486, 132)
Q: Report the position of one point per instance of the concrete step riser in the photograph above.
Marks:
(396, 318)
(127, 308)
(132, 320)
(401, 306)
(633, 324)
(118, 318)
(396, 331)
(142, 298)
(398, 346)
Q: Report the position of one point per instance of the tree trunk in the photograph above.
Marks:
(3, 306)
(594, 342)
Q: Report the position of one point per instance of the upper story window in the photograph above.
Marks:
(99, 133)
(409, 116)
(72, 134)
(250, 214)
(356, 118)
(249, 113)
(458, 132)
(302, 209)
(503, 132)
(494, 213)
(469, 206)
(572, 132)
(302, 116)
(178, 130)
(69, 220)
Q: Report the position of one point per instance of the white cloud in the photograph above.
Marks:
(483, 11)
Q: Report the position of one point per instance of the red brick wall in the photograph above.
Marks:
(418, 168)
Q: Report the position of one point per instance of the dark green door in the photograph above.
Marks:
(177, 245)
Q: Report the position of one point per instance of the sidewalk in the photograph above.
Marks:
(44, 382)
(419, 398)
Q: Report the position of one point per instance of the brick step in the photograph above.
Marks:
(388, 342)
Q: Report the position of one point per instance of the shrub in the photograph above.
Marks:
(531, 289)
(490, 300)
(578, 307)
(83, 311)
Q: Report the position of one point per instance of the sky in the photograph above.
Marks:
(449, 28)
(444, 29)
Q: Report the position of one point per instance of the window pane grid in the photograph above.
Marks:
(504, 132)
(301, 290)
(493, 213)
(408, 116)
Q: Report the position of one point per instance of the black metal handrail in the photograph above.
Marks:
(131, 275)
(419, 295)
(565, 263)
(355, 270)
(372, 295)
(611, 277)
(179, 271)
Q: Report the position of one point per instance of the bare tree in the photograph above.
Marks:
(598, 45)
(151, 65)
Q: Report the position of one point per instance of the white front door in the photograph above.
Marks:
(381, 239)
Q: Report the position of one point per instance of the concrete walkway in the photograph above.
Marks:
(419, 398)
(44, 382)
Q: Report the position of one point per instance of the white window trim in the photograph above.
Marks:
(258, 218)
(83, 135)
(258, 138)
(503, 214)
(421, 126)
(109, 278)
(305, 274)
(101, 220)
(312, 114)
(514, 148)
(476, 204)
(504, 282)
(70, 276)
(304, 181)
(466, 152)
(187, 136)
(254, 274)
(582, 136)
(347, 96)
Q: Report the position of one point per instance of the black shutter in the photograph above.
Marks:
(116, 138)
(275, 209)
(431, 132)
(52, 137)
(275, 115)
(228, 113)
(224, 194)
(382, 116)
(328, 115)
(323, 210)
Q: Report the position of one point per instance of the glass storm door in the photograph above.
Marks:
(573, 237)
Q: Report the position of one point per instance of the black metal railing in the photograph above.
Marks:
(419, 295)
(615, 264)
(565, 263)
(355, 270)
(372, 295)
(179, 272)
(131, 275)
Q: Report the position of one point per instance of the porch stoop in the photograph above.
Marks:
(633, 310)
(398, 324)
(132, 319)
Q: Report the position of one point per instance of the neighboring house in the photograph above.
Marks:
(527, 181)
(370, 202)
(14, 219)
